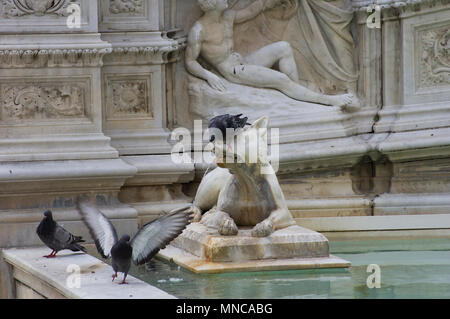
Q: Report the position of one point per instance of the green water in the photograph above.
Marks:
(409, 269)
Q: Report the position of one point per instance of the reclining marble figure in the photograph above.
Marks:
(242, 193)
(211, 38)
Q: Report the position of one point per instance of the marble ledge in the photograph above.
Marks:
(396, 145)
(58, 176)
(415, 145)
(49, 277)
(158, 170)
(56, 148)
(25, 171)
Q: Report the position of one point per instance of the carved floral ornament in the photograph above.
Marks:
(435, 59)
(126, 6)
(40, 102)
(18, 8)
(129, 98)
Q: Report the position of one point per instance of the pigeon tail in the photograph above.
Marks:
(78, 239)
(76, 247)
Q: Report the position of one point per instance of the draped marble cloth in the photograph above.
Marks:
(319, 33)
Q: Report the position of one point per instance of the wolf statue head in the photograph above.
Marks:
(245, 149)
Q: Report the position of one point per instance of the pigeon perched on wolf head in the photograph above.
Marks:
(222, 122)
(56, 237)
(142, 247)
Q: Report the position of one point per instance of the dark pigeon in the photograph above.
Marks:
(142, 247)
(222, 122)
(56, 237)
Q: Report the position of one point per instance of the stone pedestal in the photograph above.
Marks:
(203, 250)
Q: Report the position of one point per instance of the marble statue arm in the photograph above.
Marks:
(254, 9)
(192, 53)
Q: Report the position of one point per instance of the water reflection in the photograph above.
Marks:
(405, 273)
(261, 285)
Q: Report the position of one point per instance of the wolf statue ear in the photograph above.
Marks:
(262, 122)
(261, 125)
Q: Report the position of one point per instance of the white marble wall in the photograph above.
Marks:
(88, 110)
(375, 160)
(75, 103)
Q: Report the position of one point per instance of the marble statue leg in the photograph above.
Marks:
(243, 71)
(280, 52)
(259, 76)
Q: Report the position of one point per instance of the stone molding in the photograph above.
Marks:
(83, 57)
(41, 58)
(142, 48)
(363, 5)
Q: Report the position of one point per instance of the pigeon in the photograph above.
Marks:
(56, 237)
(222, 122)
(142, 247)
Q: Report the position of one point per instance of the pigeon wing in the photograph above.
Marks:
(100, 228)
(62, 238)
(157, 234)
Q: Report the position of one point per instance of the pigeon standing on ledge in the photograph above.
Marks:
(142, 247)
(222, 122)
(56, 237)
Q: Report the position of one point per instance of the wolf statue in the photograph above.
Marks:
(243, 190)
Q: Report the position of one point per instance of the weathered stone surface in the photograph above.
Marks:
(290, 242)
(49, 278)
(81, 96)
(197, 265)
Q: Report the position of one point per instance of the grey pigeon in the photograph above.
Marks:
(142, 247)
(56, 237)
(222, 122)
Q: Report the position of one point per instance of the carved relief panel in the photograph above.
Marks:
(130, 15)
(46, 16)
(434, 60)
(426, 58)
(18, 8)
(133, 109)
(42, 101)
(128, 98)
(127, 7)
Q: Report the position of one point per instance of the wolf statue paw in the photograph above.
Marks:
(263, 229)
(228, 227)
(196, 214)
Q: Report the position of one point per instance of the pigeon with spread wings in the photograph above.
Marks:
(142, 247)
